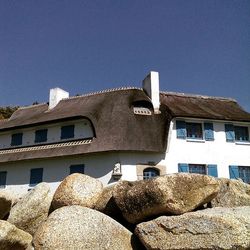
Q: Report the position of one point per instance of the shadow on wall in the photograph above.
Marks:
(99, 166)
(141, 158)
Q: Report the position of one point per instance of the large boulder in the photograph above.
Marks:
(232, 193)
(28, 213)
(215, 228)
(77, 227)
(6, 201)
(170, 194)
(13, 238)
(77, 189)
(106, 203)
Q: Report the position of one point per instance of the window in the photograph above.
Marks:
(149, 170)
(17, 139)
(41, 135)
(210, 169)
(77, 169)
(193, 130)
(198, 169)
(241, 133)
(149, 173)
(36, 176)
(67, 131)
(3, 175)
(242, 172)
(236, 133)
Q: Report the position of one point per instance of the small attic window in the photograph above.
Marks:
(142, 108)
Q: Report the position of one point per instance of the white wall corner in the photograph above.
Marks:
(56, 95)
(151, 86)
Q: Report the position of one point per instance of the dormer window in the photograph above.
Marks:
(41, 135)
(67, 131)
(142, 108)
(16, 139)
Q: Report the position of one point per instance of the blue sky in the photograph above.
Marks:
(198, 46)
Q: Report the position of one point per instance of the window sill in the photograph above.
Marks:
(195, 140)
(242, 142)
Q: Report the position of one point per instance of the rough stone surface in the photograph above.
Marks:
(28, 213)
(77, 189)
(77, 227)
(232, 193)
(215, 228)
(6, 201)
(106, 203)
(13, 238)
(171, 194)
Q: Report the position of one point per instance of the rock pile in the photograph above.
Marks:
(178, 211)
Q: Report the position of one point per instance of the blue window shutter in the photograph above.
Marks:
(41, 135)
(36, 176)
(209, 131)
(181, 129)
(67, 131)
(233, 172)
(77, 169)
(212, 170)
(230, 135)
(183, 167)
(3, 175)
(16, 139)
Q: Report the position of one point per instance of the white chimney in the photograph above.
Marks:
(55, 96)
(151, 86)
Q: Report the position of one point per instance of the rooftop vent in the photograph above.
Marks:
(151, 86)
(55, 96)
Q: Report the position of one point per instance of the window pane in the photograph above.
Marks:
(36, 176)
(41, 135)
(3, 175)
(77, 169)
(241, 133)
(244, 174)
(67, 132)
(198, 169)
(150, 173)
(194, 130)
(16, 139)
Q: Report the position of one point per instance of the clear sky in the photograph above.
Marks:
(198, 46)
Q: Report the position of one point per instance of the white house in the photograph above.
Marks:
(124, 134)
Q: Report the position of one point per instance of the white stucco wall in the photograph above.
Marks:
(217, 152)
(83, 130)
(130, 161)
(99, 166)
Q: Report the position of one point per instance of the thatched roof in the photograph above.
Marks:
(196, 106)
(116, 126)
